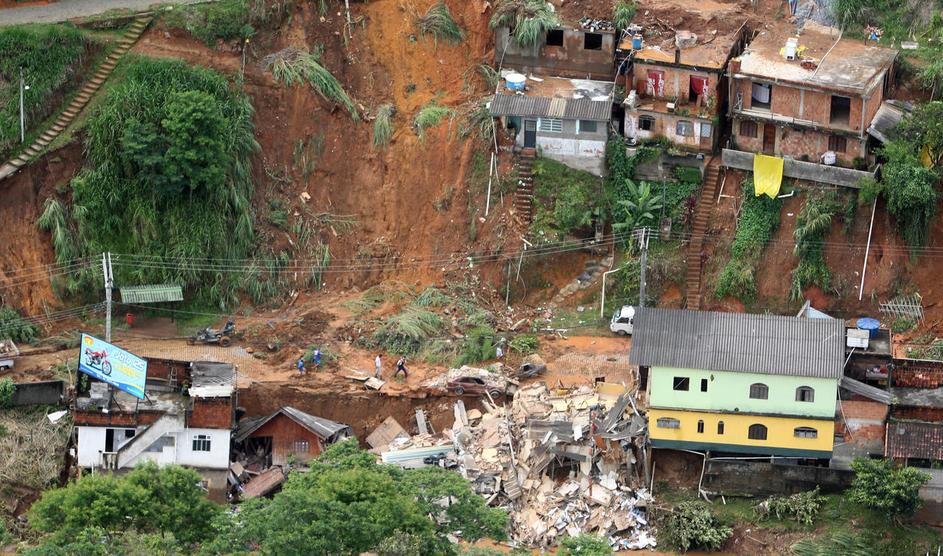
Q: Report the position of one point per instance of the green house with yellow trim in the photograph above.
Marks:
(739, 383)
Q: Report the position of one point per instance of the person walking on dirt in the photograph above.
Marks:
(316, 358)
(401, 367)
(301, 365)
(379, 365)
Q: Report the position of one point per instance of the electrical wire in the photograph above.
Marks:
(55, 316)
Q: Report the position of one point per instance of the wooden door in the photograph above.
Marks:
(769, 138)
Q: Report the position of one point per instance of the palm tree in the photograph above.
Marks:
(528, 20)
(640, 206)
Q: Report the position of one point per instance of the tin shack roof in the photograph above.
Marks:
(557, 97)
(824, 60)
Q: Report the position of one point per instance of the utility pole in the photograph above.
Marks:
(22, 112)
(643, 244)
(109, 282)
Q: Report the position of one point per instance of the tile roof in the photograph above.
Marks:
(565, 108)
(765, 344)
(914, 439)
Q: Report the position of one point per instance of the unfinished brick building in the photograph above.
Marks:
(676, 88)
(807, 95)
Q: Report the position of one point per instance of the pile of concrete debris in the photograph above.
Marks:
(562, 462)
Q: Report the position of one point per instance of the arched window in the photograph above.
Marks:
(759, 391)
(805, 394)
(757, 432)
(668, 423)
(700, 426)
(805, 432)
(720, 427)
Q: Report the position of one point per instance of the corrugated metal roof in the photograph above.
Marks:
(211, 379)
(889, 114)
(151, 294)
(324, 428)
(866, 390)
(766, 344)
(565, 108)
(914, 439)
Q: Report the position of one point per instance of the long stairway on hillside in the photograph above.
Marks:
(702, 216)
(524, 192)
(80, 101)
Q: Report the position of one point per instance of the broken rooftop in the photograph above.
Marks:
(705, 35)
(823, 60)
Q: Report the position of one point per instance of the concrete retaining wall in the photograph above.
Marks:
(832, 175)
(761, 479)
(39, 393)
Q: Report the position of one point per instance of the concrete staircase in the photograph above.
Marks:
(702, 216)
(592, 270)
(167, 423)
(524, 193)
(80, 101)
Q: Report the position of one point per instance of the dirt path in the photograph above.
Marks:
(64, 10)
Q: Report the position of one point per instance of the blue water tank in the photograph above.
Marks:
(869, 324)
(637, 42)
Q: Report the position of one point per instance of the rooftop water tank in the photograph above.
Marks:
(637, 42)
(869, 324)
(515, 81)
(792, 45)
(829, 158)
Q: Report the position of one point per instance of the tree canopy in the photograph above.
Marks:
(881, 485)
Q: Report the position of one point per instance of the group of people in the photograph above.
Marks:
(400, 367)
(316, 362)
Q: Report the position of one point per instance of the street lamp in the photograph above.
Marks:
(23, 87)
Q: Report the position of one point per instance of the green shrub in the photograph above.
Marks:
(529, 20)
(383, 126)
(566, 199)
(407, 331)
(428, 116)
(623, 13)
(902, 324)
(525, 344)
(15, 327)
(478, 346)
(803, 506)
(432, 297)
(693, 525)
(759, 218)
(223, 20)
(293, 66)
(439, 23)
(885, 487)
(168, 174)
(50, 56)
(7, 390)
(813, 223)
(585, 545)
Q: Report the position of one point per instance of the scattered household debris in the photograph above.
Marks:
(262, 484)
(563, 462)
(386, 433)
(590, 24)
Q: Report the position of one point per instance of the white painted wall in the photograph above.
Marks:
(91, 443)
(581, 154)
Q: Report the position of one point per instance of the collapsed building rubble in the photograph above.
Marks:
(562, 462)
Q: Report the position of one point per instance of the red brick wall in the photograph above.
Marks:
(677, 81)
(796, 143)
(212, 413)
(114, 419)
(284, 433)
(934, 414)
(160, 369)
(917, 375)
(865, 420)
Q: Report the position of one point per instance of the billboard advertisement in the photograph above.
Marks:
(113, 365)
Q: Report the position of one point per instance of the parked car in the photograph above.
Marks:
(477, 386)
(622, 321)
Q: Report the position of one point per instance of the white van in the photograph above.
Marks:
(622, 321)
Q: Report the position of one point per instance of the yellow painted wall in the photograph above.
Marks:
(779, 432)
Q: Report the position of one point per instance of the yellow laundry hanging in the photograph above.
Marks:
(767, 175)
(925, 157)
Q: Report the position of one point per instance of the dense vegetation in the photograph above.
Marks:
(883, 486)
(759, 218)
(812, 225)
(692, 525)
(50, 55)
(228, 20)
(168, 175)
(14, 327)
(529, 20)
(566, 200)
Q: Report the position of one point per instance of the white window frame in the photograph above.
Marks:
(706, 130)
(550, 125)
(301, 447)
(201, 440)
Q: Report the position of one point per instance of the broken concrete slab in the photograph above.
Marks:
(386, 433)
